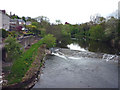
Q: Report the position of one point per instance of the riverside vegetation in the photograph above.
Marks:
(24, 61)
(99, 29)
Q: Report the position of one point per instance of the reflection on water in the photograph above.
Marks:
(99, 47)
(90, 45)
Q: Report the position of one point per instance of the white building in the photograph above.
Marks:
(119, 10)
(4, 20)
(28, 23)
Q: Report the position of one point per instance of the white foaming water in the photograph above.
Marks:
(108, 57)
(74, 57)
(1, 79)
(59, 55)
(75, 47)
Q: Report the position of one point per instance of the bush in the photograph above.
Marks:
(96, 32)
(13, 48)
(49, 40)
(23, 63)
(4, 33)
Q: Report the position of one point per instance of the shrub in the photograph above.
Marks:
(13, 48)
(4, 33)
(49, 40)
(23, 63)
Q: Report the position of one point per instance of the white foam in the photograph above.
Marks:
(74, 57)
(108, 57)
(1, 81)
(75, 47)
(57, 54)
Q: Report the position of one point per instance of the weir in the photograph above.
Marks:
(67, 68)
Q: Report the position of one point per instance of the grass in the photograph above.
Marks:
(23, 63)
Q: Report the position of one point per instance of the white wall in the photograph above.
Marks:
(4, 21)
(0, 20)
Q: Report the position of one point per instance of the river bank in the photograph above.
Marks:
(32, 73)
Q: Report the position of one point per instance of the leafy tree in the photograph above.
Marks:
(24, 18)
(13, 48)
(35, 24)
(111, 30)
(43, 21)
(55, 30)
(118, 29)
(13, 34)
(4, 33)
(33, 29)
(97, 19)
(74, 31)
(66, 29)
(15, 16)
(42, 18)
(58, 21)
(43, 32)
(96, 32)
(49, 40)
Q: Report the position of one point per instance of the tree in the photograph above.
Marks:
(97, 19)
(43, 32)
(118, 28)
(33, 29)
(111, 29)
(66, 29)
(96, 32)
(4, 33)
(15, 16)
(13, 48)
(13, 34)
(44, 21)
(35, 24)
(42, 18)
(58, 21)
(24, 18)
(49, 40)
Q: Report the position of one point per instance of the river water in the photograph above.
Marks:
(75, 67)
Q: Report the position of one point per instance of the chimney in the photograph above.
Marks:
(3, 11)
(10, 13)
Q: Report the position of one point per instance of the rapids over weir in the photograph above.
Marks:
(79, 68)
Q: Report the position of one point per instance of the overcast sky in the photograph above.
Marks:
(72, 11)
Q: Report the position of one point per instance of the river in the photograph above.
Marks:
(76, 67)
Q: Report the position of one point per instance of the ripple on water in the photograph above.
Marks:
(75, 71)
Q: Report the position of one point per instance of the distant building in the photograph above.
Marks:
(28, 23)
(16, 24)
(4, 20)
(13, 24)
(21, 22)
